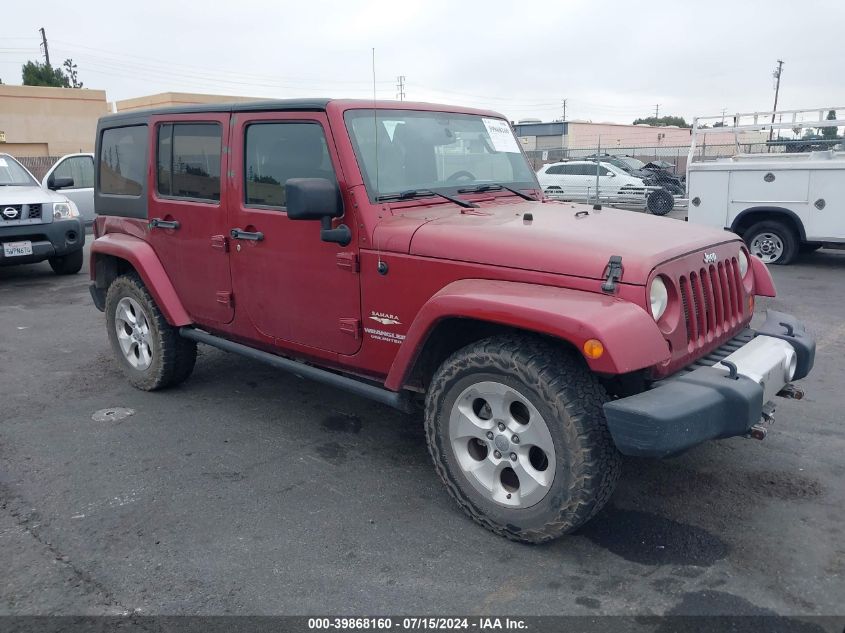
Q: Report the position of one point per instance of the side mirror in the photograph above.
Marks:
(612, 175)
(317, 199)
(59, 183)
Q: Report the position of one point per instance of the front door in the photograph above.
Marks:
(80, 169)
(294, 287)
(187, 211)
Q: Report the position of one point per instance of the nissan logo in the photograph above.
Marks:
(10, 213)
(709, 258)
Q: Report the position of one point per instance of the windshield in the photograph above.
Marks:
(13, 174)
(420, 150)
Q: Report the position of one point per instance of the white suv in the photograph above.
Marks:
(576, 180)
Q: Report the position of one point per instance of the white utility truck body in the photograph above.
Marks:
(781, 203)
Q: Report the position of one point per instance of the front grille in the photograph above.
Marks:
(20, 212)
(712, 300)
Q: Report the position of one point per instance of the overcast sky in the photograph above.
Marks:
(612, 60)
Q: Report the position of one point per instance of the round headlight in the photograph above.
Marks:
(743, 263)
(659, 298)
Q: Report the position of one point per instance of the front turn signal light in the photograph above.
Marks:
(593, 348)
(751, 304)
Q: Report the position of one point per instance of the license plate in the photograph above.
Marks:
(15, 249)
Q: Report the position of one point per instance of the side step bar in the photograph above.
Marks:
(398, 400)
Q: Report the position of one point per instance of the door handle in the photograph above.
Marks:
(158, 223)
(240, 234)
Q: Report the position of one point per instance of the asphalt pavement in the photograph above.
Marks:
(250, 491)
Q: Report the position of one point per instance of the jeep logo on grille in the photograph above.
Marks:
(709, 258)
(10, 213)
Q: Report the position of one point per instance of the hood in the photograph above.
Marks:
(28, 195)
(556, 241)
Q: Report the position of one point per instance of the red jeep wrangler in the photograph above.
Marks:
(403, 252)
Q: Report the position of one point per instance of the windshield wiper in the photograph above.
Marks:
(418, 193)
(495, 186)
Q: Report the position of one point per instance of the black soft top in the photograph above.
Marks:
(240, 106)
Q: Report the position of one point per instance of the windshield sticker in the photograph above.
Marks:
(501, 136)
(3, 162)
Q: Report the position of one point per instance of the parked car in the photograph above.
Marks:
(576, 180)
(37, 224)
(781, 204)
(401, 252)
(73, 175)
(662, 174)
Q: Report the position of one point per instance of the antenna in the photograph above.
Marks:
(381, 266)
(375, 116)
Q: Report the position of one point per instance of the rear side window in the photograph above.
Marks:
(276, 152)
(188, 160)
(123, 160)
(79, 168)
(555, 170)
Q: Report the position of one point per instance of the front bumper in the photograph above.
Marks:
(710, 400)
(51, 239)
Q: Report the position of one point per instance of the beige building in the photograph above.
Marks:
(40, 121)
(166, 99)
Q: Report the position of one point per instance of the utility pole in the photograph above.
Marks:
(44, 44)
(564, 110)
(657, 111)
(400, 87)
(724, 111)
(776, 74)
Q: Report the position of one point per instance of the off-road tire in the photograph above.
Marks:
(69, 264)
(559, 384)
(784, 232)
(660, 202)
(173, 356)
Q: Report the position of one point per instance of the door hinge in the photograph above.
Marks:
(347, 260)
(220, 242)
(225, 297)
(352, 327)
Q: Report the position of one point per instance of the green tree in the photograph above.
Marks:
(38, 74)
(664, 120)
(70, 71)
(829, 133)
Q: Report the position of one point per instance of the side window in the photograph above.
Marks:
(188, 160)
(123, 160)
(276, 152)
(555, 170)
(80, 168)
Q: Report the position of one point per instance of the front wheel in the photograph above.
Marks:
(149, 350)
(517, 433)
(772, 241)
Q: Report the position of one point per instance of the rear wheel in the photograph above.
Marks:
(69, 264)
(149, 350)
(517, 433)
(660, 202)
(772, 241)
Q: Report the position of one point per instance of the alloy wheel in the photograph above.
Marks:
(502, 444)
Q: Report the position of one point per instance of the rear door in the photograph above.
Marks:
(294, 287)
(79, 168)
(187, 211)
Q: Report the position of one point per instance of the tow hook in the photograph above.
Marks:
(791, 391)
(760, 430)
